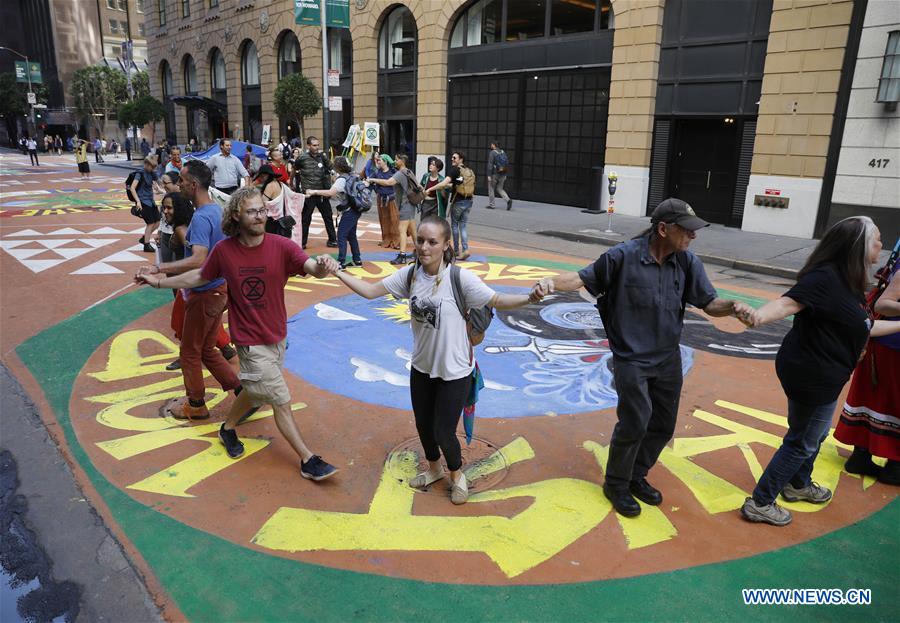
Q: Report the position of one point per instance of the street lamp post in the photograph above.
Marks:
(27, 75)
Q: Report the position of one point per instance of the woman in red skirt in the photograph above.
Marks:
(870, 420)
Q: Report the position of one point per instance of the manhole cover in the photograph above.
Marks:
(483, 464)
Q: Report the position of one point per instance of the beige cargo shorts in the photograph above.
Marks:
(261, 374)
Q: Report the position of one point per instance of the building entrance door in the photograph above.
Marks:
(400, 139)
(704, 167)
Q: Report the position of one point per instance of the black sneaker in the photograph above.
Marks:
(229, 439)
(399, 260)
(332, 244)
(509, 205)
(316, 469)
(175, 365)
(148, 248)
(357, 263)
(228, 352)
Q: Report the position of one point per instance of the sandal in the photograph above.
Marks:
(181, 409)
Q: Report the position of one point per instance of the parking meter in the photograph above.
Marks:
(612, 179)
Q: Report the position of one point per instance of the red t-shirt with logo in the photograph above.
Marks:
(256, 277)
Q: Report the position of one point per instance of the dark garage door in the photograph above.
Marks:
(551, 124)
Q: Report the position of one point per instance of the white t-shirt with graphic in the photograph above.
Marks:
(440, 343)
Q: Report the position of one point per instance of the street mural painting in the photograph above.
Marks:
(55, 202)
(537, 514)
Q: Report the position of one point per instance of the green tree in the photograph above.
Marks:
(140, 83)
(144, 110)
(97, 92)
(14, 100)
(297, 98)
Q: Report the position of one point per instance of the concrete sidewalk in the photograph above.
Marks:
(780, 256)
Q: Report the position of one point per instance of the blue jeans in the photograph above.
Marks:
(347, 233)
(808, 426)
(460, 213)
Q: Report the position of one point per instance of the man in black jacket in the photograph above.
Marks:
(315, 174)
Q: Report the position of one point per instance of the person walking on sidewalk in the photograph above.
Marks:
(257, 316)
(81, 159)
(497, 170)
(461, 181)
(98, 149)
(32, 146)
(643, 287)
(442, 362)
(128, 148)
(401, 181)
(205, 303)
(832, 325)
(227, 169)
(315, 174)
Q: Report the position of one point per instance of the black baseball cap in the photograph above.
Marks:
(679, 212)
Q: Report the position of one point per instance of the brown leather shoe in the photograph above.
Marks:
(181, 409)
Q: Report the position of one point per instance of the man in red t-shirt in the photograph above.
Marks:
(256, 267)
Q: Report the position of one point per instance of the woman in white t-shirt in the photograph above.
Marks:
(442, 361)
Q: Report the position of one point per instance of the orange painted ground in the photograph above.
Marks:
(548, 523)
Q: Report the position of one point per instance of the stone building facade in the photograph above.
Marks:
(66, 35)
(732, 108)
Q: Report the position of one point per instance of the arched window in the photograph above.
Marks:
(482, 22)
(251, 97)
(288, 55)
(397, 65)
(397, 42)
(190, 76)
(217, 71)
(217, 118)
(250, 66)
(340, 50)
(167, 85)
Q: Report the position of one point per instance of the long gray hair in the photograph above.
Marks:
(846, 244)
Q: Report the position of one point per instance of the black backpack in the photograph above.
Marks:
(128, 182)
(477, 319)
